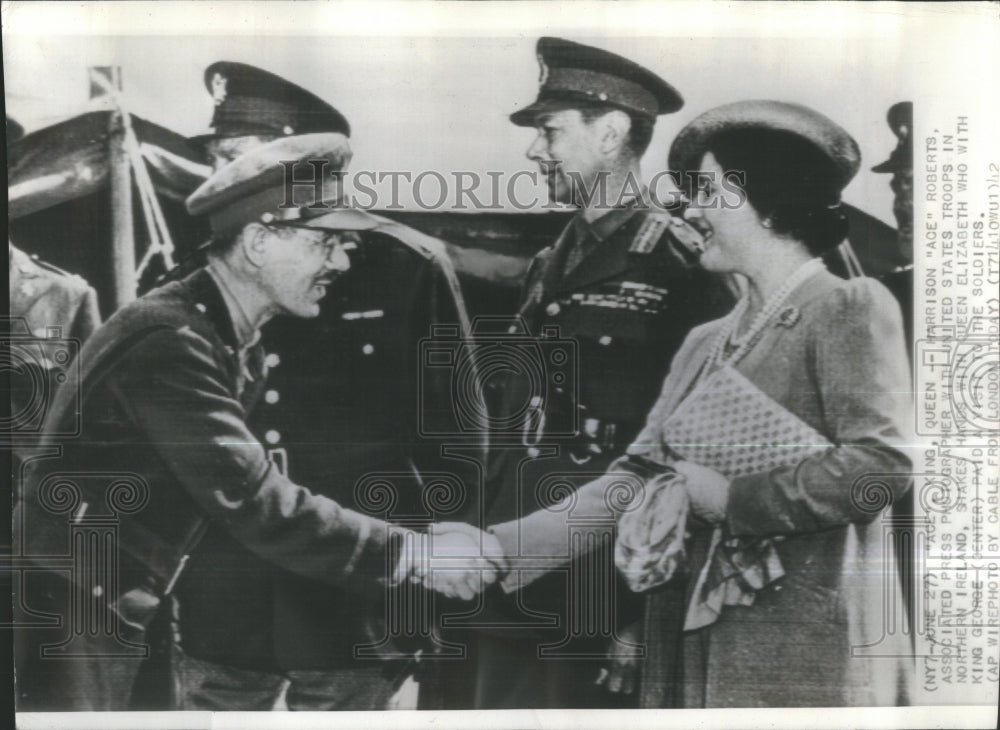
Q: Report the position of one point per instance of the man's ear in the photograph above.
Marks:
(616, 125)
(253, 243)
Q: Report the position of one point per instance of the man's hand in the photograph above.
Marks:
(707, 489)
(455, 559)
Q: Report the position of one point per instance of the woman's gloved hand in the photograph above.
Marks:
(707, 489)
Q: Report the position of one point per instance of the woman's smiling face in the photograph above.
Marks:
(730, 231)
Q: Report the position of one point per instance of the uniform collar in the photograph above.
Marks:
(246, 334)
(610, 257)
(609, 222)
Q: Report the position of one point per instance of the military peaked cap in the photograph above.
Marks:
(251, 101)
(573, 73)
(257, 186)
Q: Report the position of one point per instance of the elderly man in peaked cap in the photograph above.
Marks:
(166, 456)
(329, 380)
(618, 284)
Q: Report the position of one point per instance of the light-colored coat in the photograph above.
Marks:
(818, 636)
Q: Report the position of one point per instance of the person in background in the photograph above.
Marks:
(791, 560)
(46, 303)
(51, 302)
(900, 166)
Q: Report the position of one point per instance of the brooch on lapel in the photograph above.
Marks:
(788, 317)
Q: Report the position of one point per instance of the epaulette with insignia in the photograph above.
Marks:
(683, 243)
(649, 233)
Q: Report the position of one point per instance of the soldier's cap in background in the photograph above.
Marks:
(252, 101)
(575, 74)
(827, 136)
(900, 119)
(253, 187)
(14, 131)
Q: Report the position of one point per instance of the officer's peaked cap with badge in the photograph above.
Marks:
(573, 73)
(900, 119)
(252, 101)
(253, 186)
(693, 141)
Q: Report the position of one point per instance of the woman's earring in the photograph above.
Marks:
(767, 223)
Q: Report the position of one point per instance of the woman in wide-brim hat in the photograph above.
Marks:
(830, 630)
(793, 598)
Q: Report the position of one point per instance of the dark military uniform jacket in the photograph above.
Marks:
(161, 397)
(622, 312)
(349, 408)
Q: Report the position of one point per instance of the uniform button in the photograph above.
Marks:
(533, 452)
(98, 591)
(272, 360)
(605, 340)
(201, 307)
(287, 130)
(271, 396)
(367, 349)
(553, 309)
(272, 437)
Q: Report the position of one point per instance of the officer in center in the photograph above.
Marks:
(618, 284)
(340, 404)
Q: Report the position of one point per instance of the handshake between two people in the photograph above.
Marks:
(454, 559)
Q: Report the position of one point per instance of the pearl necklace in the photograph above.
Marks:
(726, 339)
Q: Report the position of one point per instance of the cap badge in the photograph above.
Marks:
(219, 88)
(543, 74)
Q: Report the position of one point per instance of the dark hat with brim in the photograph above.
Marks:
(693, 141)
(900, 119)
(14, 131)
(574, 74)
(255, 186)
(252, 101)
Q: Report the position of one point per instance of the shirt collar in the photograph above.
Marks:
(611, 221)
(246, 334)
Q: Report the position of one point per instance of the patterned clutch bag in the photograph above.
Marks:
(728, 424)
